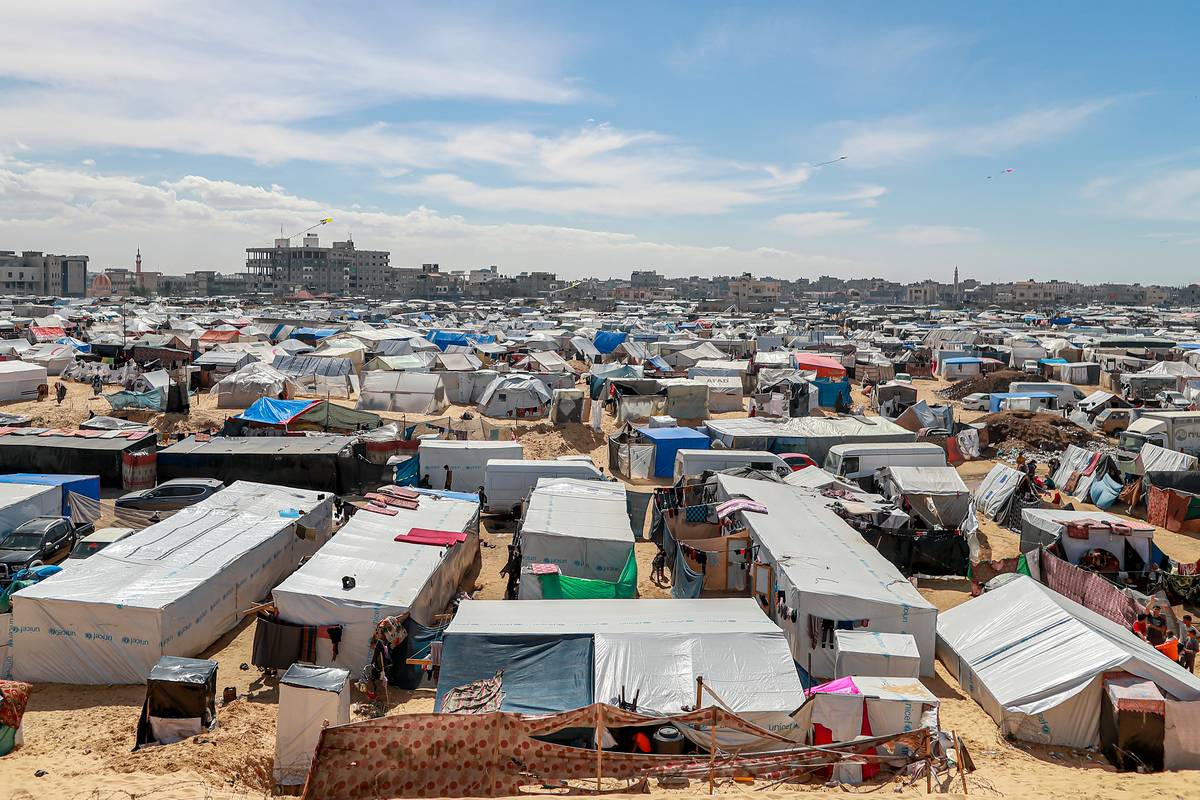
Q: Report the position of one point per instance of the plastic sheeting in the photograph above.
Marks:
(994, 495)
(828, 571)
(892, 655)
(607, 341)
(556, 586)
(542, 672)
(1035, 661)
(669, 441)
(390, 578)
(170, 589)
(551, 532)
(466, 461)
(406, 392)
(268, 411)
(749, 671)
(936, 494)
(309, 697)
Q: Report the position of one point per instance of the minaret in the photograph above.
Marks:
(138, 265)
(957, 297)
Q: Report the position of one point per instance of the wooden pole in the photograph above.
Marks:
(599, 744)
(699, 692)
(712, 752)
(962, 766)
(928, 764)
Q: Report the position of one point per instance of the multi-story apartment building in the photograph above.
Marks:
(33, 272)
(340, 269)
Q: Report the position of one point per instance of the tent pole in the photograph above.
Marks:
(712, 751)
(928, 764)
(599, 744)
(962, 767)
(699, 692)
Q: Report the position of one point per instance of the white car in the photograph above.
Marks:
(1172, 400)
(977, 402)
(902, 377)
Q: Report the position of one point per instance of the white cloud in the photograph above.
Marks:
(896, 140)
(196, 222)
(935, 234)
(819, 223)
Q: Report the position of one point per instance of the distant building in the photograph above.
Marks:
(341, 269)
(749, 292)
(34, 273)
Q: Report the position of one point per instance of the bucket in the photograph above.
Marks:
(668, 741)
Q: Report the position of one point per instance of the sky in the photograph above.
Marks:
(899, 140)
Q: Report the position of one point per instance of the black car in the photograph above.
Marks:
(45, 539)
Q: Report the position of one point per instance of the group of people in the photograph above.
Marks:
(1180, 647)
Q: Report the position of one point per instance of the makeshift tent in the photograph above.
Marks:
(810, 435)
(515, 397)
(406, 392)
(669, 441)
(725, 392)
(315, 415)
(997, 495)
(829, 576)
(391, 578)
(891, 655)
(54, 358)
(824, 366)
(323, 463)
(1079, 533)
(20, 381)
(854, 706)
(309, 699)
(170, 589)
(607, 341)
(181, 700)
(250, 383)
(551, 533)
(83, 507)
(935, 495)
(465, 459)
(566, 406)
(1036, 662)
(557, 655)
(1133, 717)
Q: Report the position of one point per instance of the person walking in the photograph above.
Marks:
(449, 478)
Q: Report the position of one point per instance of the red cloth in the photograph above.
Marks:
(14, 697)
(433, 537)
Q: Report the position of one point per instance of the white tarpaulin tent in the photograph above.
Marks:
(937, 495)
(170, 589)
(1091, 530)
(390, 578)
(309, 697)
(465, 459)
(407, 392)
(1036, 662)
(828, 574)
(20, 381)
(886, 655)
(21, 502)
(654, 649)
(250, 383)
(994, 494)
(581, 526)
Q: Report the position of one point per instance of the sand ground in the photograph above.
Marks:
(82, 737)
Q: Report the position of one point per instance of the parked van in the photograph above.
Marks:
(694, 462)
(508, 481)
(1068, 395)
(857, 462)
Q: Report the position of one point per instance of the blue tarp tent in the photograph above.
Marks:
(607, 341)
(83, 485)
(659, 364)
(828, 390)
(274, 412)
(669, 441)
(313, 333)
(444, 339)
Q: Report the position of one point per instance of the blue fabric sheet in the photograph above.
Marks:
(668, 442)
(607, 341)
(686, 583)
(273, 412)
(542, 673)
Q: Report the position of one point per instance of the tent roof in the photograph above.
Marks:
(557, 505)
(676, 433)
(825, 556)
(1032, 648)
(710, 615)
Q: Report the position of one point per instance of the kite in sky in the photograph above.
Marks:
(827, 163)
(1008, 171)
